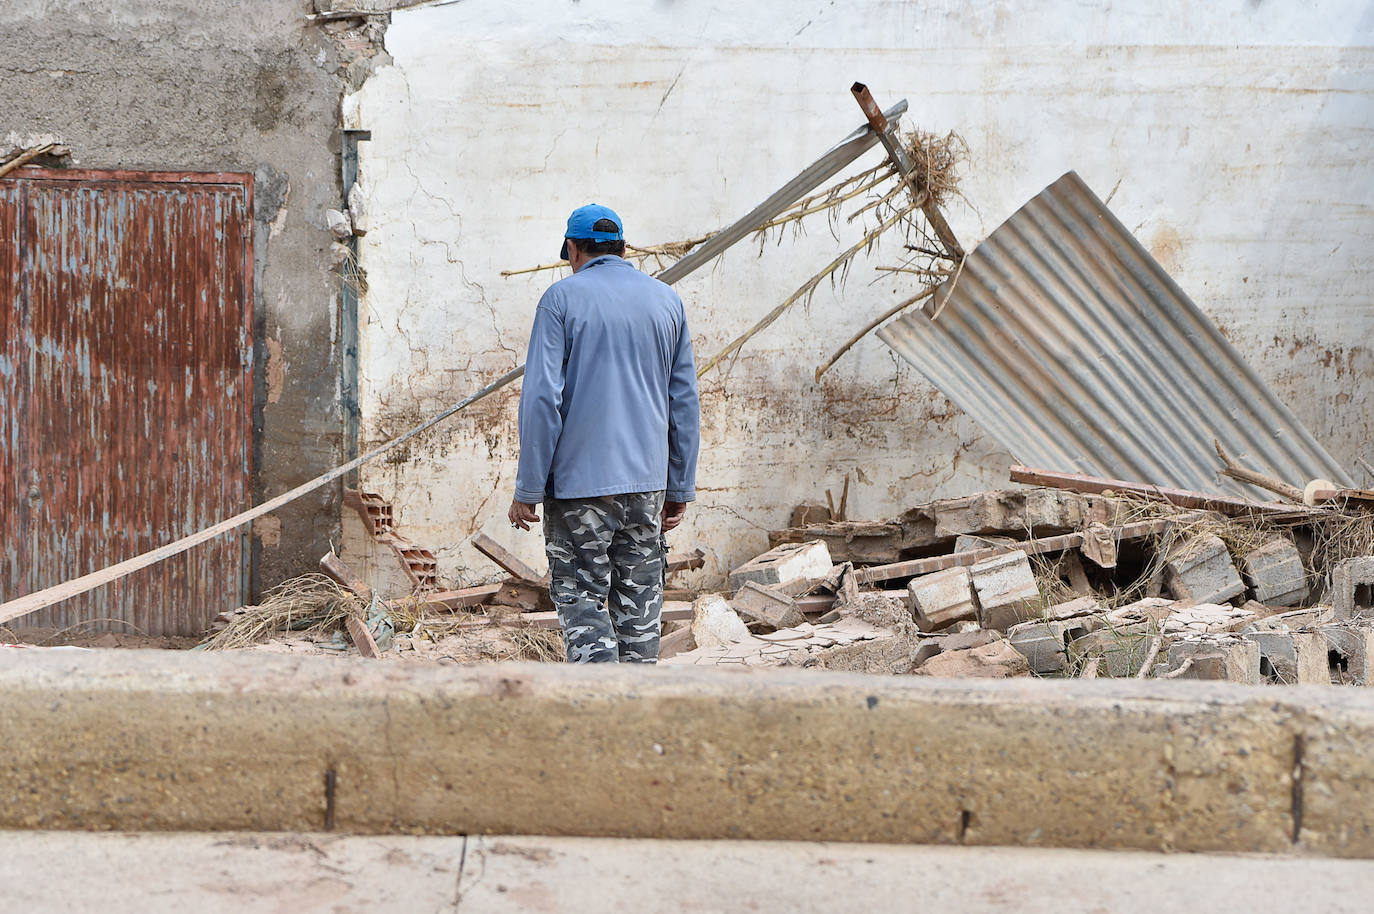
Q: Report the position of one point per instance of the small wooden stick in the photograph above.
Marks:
(23, 157)
(1150, 658)
(1185, 667)
(1269, 483)
(844, 500)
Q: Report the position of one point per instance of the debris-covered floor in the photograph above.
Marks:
(1079, 577)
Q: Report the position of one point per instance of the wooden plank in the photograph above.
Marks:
(455, 599)
(1356, 495)
(685, 561)
(502, 556)
(1183, 498)
(335, 568)
(1030, 547)
(549, 620)
(362, 638)
(524, 596)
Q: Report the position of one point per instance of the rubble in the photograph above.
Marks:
(997, 660)
(1288, 658)
(1349, 651)
(1041, 582)
(1352, 588)
(768, 605)
(1226, 657)
(1006, 591)
(1202, 572)
(715, 624)
(941, 599)
(1046, 644)
(784, 563)
(1275, 574)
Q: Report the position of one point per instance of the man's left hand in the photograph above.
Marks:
(522, 515)
(673, 513)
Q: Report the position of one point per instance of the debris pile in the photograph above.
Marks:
(1093, 578)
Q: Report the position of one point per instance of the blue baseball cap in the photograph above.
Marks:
(582, 222)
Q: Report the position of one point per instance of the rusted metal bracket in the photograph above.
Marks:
(887, 135)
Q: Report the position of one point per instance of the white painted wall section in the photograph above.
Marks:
(1232, 137)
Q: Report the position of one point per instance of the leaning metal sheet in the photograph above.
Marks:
(1068, 343)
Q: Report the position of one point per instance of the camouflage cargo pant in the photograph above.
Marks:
(606, 572)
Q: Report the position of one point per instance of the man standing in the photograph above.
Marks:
(608, 441)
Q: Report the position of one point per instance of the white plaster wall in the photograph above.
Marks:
(1232, 136)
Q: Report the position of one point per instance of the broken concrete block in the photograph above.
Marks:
(1204, 618)
(1151, 609)
(767, 605)
(998, 660)
(1289, 658)
(1201, 571)
(1121, 649)
(1046, 644)
(962, 641)
(942, 598)
(972, 542)
(1276, 574)
(678, 641)
(784, 563)
(1006, 590)
(1352, 588)
(1225, 657)
(1349, 651)
(339, 223)
(714, 623)
(1292, 621)
(1073, 609)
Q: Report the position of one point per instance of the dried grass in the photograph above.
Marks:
(1049, 579)
(1340, 536)
(309, 603)
(936, 161)
(316, 604)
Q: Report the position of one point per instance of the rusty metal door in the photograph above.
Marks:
(126, 333)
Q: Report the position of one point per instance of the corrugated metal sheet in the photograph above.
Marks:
(126, 388)
(1068, 343)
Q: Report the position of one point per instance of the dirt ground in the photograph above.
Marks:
(488, 644)
(49, 637)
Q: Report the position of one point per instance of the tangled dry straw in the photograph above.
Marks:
(936, 160)
(314, 604)
(309, 603)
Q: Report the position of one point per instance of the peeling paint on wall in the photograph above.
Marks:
(276, 370)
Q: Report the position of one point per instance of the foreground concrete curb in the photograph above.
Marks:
(305, 873)
(147, 740)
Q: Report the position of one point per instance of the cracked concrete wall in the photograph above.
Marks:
(215, 86)
(1231, 138)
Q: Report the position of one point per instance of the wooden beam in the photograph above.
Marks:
(685, 561)
(334, 567)
(1183, 498)
(549, 620)
(506, 559)
(1030, 547)
(454, 599)
(1362, 496)
(362, 638)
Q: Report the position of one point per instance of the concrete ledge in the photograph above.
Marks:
(145, 740)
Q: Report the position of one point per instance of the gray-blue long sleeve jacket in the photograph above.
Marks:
(609, 400)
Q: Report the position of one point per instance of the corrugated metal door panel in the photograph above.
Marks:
(11, 389)
(136, 305)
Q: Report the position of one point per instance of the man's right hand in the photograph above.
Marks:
(673, 513)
